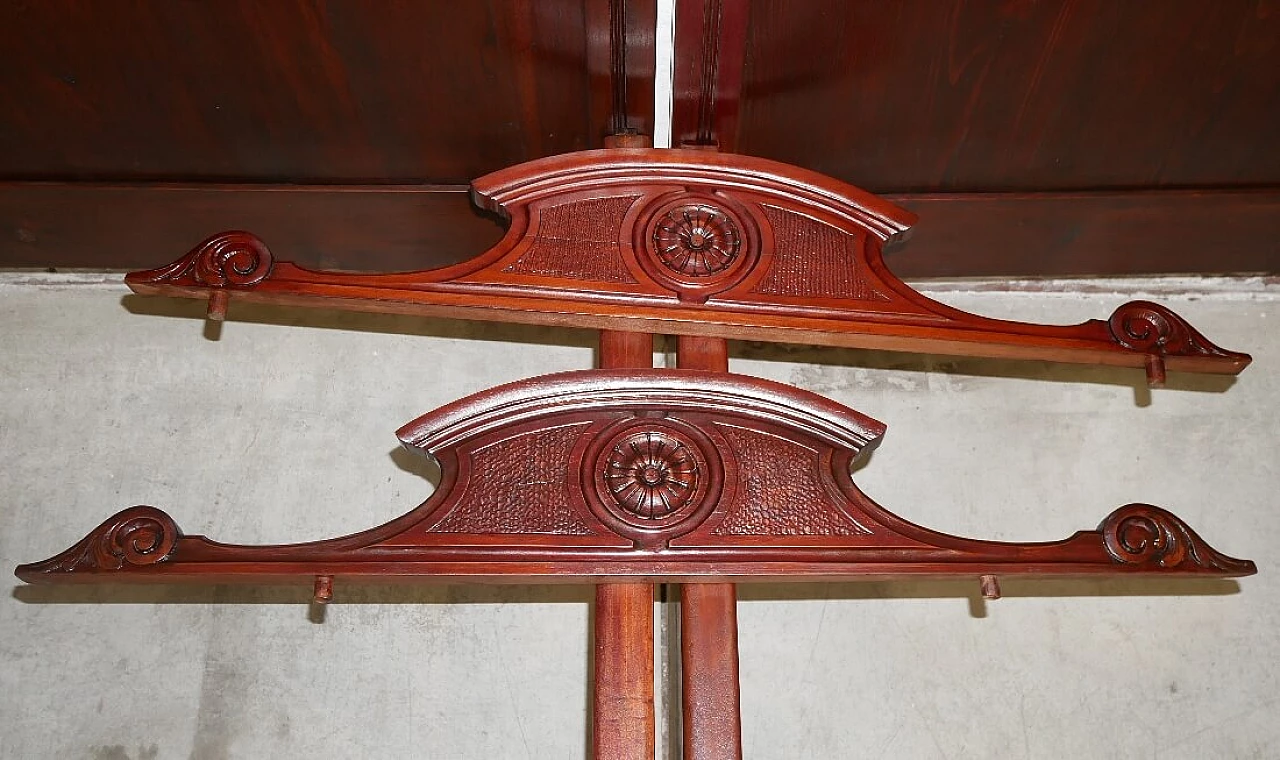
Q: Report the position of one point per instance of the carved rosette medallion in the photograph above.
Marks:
(651, 479)
(696, 239)
(652, 474)
(696, 244)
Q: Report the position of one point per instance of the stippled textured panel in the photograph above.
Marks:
(519, 485)
(578, 240)
(779, 493)
(814, 259)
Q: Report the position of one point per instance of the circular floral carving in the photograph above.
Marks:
(651, 474)
(651, 478)
(696, 240)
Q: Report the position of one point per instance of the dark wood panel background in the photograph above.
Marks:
(911, 96)
(1034, 137)
(305, 90)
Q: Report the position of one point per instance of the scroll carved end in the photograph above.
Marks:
(1158, 332)
(137, 536)
(1150, 537)
(233, 259)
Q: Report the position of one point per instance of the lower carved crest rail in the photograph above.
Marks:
(644, 475)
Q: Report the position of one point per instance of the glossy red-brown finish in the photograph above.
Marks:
(698, 352)
(709, 671)
(623, 725)
(920, 96)
(132, 226)
(709, 626)
(625, 350)
(694, 243)
(642, 475)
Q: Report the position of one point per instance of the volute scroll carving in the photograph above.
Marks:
(138, 537)
(653, 474)
(1141, 534)
(228, 260)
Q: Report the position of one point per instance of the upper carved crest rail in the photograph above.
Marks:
(691, 242)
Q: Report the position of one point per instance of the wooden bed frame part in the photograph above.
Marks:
(626, 476)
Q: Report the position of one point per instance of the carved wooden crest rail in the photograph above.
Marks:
(639, 475)
(689, 242)
(627, 475)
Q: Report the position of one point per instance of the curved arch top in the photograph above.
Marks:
(710, 170)
(691, 242)
(660, 391)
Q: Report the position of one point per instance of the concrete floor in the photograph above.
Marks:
(275, 433)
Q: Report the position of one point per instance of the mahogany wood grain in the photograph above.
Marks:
(349, 228)
(911, 96)
(399, 228)
(709, 626)
(642, 476)
(709, 671)
(300, 91)
(623, 710)
(697, 352)
(623, 724)
(692, 242)
(710, 43)
(625, 350)
(406, 228)
(1072, 234)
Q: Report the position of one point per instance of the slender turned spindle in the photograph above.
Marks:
(623, 726)
(709, 625)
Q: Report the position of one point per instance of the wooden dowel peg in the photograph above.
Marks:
(323, 592)
(1155, 371)
(218, 301)
(990, 587)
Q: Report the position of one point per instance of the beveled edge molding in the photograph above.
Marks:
(638, 474)
(567, 260)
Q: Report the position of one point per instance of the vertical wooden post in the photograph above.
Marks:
(709, 626)
(709, 671)
(623, 727)
(624, 350)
